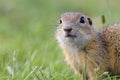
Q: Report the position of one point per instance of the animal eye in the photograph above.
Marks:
(90, 21)
(60, 21)
(82, 20)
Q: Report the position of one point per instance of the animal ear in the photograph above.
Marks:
(90, 21)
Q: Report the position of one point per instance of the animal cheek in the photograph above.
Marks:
(59, 35)
(59, 32)
(81, 32)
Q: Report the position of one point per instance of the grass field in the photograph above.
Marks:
(28, 48)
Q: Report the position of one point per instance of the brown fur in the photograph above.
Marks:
(89, 48)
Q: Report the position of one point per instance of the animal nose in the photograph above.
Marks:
(67, 29)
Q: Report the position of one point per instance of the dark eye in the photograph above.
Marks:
(90, 21)
(82, 20)
(60, 21)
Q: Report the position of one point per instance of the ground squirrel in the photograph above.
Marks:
(84, 46)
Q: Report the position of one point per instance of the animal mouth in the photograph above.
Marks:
(70, 36)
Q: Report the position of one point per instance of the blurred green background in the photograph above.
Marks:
(28, 48)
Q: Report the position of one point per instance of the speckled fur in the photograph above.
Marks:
(90, 48)
(111, 36)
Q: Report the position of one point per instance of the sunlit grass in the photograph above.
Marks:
(28, 48)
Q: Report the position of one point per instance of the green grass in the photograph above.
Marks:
(28, 48)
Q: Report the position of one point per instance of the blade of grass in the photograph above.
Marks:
(44, 77)
(31, 73)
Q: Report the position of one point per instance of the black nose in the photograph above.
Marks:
(67, 29)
